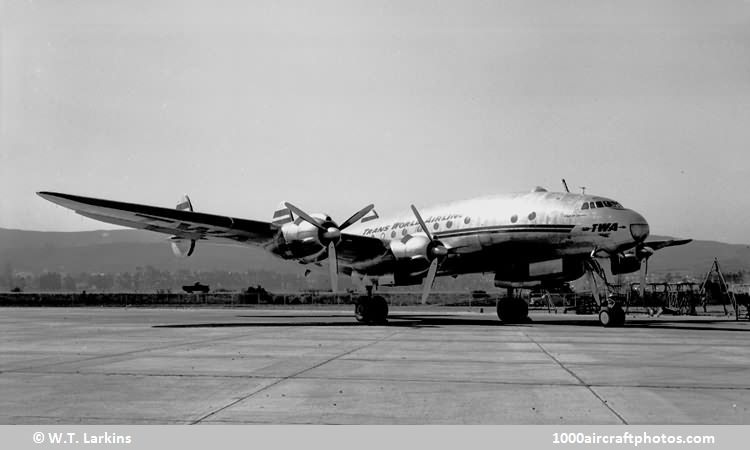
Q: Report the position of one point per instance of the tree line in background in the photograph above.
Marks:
(151, 279)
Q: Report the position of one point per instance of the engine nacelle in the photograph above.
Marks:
(300, 238)
(624, 263)
(300, 232)
(411, 247)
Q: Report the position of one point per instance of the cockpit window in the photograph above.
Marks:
(602, 204)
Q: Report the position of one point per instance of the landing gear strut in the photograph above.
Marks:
(512, 309)
(369, 309)
(611, 313)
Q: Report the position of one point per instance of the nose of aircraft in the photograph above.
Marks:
(638, 227)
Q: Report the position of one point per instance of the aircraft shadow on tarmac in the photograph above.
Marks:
(442, 320)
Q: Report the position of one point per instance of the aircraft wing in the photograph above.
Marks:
(657, 245)
(182, 223)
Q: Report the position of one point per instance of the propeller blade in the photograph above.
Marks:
(358, 215)
(333, 267)
(429, 279)
(644, 270)
(421, 222)
(308, 218)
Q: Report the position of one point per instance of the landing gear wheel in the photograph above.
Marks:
(618, 315)
(612, 316)
(513, 310)
(371, 310)
(381, 309)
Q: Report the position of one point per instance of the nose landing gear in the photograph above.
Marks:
(612, 316)
(611, 313)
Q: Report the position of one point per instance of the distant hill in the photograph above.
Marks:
(697, 257)
(112, 251)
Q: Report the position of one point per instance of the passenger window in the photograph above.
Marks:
(393, 234)
(585, 206)
(449, 224)
(467, 220)
(514, 218)
(436, 226)
(599, 205)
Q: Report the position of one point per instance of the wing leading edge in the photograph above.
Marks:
(182, 223)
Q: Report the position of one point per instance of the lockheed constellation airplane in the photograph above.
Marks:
(525, 239)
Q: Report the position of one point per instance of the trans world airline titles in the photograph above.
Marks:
(525, 239)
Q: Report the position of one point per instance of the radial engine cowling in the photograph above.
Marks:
(300, 232)
(302, 239)
(411, 247)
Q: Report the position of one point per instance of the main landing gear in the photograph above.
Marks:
(512, 309)
(371, 310)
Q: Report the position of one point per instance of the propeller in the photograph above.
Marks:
(329, 234)
(643, 252)
(436, 251)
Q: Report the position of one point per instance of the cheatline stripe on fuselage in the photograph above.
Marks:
(530, 228)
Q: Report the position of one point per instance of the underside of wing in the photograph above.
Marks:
(353, 249)
(184, 224)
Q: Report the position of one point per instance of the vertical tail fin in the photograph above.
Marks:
(184, 204)
(282, 215)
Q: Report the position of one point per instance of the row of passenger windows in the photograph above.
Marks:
(601, 204)
(435, 226)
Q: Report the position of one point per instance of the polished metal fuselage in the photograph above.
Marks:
(485, 233)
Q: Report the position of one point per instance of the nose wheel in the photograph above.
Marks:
(612, 316)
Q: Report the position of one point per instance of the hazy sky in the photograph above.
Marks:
(333, 105)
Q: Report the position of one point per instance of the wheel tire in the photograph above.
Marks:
(512, 311)
(380, 307)
(362, 309)
(606, 317)
(523, 311)
(618, 316)
(371, 310)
